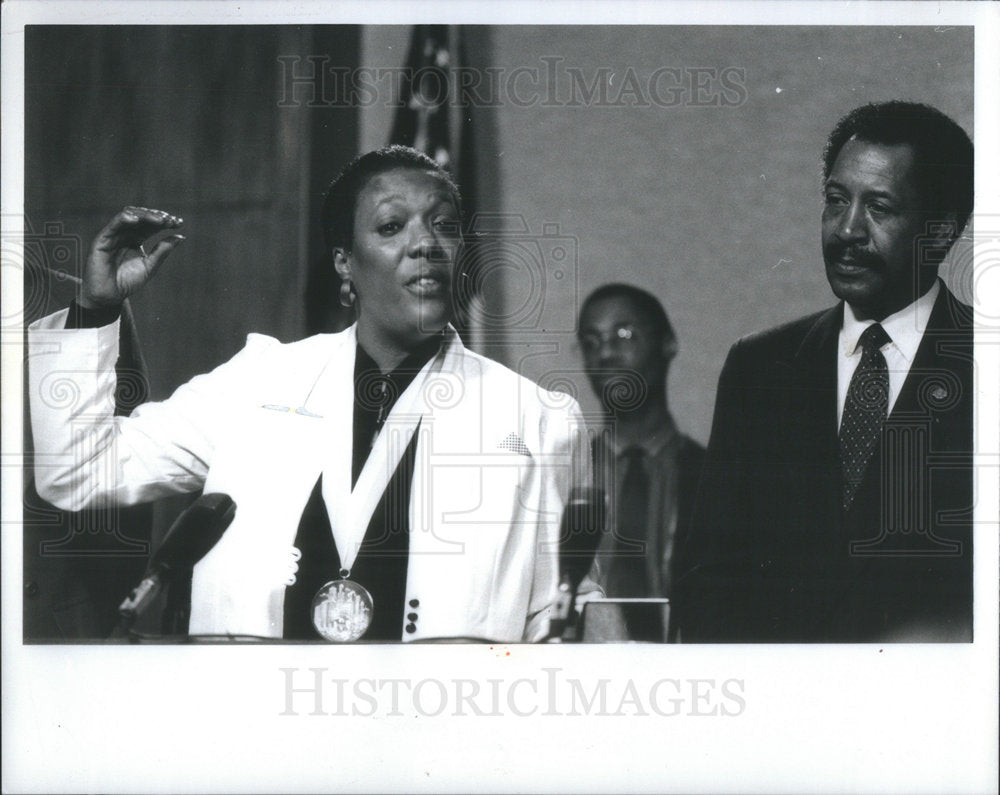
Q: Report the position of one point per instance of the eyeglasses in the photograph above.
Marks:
(620, 336)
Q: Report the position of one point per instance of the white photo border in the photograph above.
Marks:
(902, 718)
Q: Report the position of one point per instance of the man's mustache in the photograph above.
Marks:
(854, 255)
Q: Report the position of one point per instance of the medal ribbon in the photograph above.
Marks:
(351, 511)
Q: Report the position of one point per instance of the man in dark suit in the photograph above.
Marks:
(642, 461)
(836, 503)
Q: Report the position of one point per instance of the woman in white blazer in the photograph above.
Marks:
(390, 484)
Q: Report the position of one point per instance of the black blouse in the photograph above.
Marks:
(381, 562)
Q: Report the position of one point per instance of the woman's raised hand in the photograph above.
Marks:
(119, 263)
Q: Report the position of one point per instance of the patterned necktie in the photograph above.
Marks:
(627, 577)
(865, 411)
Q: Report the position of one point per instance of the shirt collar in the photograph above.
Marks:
(409, 367)
(905, 327)
(652, 444)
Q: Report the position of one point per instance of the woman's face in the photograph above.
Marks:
(406, 242)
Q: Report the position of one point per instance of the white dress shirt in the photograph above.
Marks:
(905, 329)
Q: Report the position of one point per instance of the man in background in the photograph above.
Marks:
(646, 466)
(836, 503)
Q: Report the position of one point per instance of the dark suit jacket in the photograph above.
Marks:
(771, 556)
(79, 566)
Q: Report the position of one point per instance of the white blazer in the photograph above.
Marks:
(495, 459)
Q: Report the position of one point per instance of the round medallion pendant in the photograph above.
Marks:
(342, 611)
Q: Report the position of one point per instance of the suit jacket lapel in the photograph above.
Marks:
(815, 364)
(942, 366)
(814, 460)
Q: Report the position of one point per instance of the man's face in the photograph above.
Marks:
(872, 216)
(623, 355)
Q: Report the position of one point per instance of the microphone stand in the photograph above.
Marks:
(562, 624)
(135, 605)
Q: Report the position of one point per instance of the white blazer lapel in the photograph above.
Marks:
(350, 510)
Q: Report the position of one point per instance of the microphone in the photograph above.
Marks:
(188, 540)
(579, 536)
(580, 532)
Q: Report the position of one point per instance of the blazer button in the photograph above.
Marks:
(411, 628)
(411, 616)
(414, 603)
(31, 589)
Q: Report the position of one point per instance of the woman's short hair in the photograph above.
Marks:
(342, 195)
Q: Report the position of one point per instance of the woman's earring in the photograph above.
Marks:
(347, 294)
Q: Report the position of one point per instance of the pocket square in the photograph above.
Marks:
(513, 443)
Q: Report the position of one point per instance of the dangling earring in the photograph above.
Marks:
(347, 294)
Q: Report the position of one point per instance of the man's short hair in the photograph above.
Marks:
(645, 302)
(942, 151)
(342, 195)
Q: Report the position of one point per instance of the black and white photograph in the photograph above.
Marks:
(470, 397)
